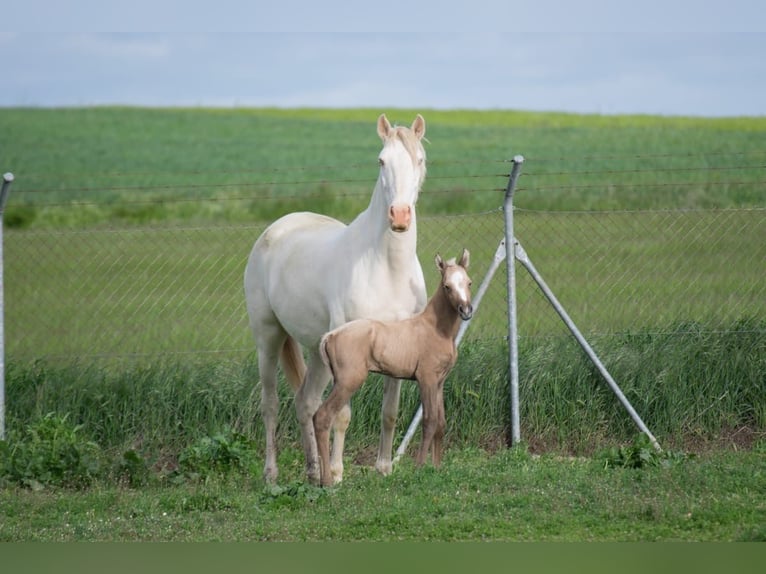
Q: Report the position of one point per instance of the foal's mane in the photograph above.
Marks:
(450, 263)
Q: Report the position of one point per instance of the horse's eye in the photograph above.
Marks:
(381, 162)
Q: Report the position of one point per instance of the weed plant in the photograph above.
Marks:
(49, 451)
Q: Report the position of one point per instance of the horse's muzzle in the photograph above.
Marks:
(466, 311)
(400, 217)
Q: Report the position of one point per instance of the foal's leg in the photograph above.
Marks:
(327, 415)
(441, 425)
(339, 426)
(307, 401)
(428, 397)
(389, 411)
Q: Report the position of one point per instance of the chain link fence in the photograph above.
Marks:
(133, 292)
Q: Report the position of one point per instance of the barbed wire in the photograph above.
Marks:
(718, 154)
(443, 179)
(646, 170)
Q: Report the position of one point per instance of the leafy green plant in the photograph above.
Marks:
(133, 469)
(639, 454)
(219, 454)
(293, 495)
(50, 451)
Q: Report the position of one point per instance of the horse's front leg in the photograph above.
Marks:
(389, 412)
(307, 401)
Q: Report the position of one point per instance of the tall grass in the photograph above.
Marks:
(690, 385)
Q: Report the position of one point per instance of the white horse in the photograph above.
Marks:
(309, 273)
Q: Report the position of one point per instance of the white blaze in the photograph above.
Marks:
(459, 284)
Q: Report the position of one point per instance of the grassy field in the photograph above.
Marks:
(116, 293)
(509, 496)
(126, 235)
(606, 207)
(88, 166)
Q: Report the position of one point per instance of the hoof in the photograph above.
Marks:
(337, 475)
(384, 467)
(270, 475)
(312, 474)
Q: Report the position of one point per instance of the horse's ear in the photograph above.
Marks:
(439, 262)
(384, 127)
(419, 127)
(465, 258)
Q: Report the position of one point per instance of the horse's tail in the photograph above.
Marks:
(292, 363)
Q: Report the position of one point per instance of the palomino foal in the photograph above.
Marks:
(420, 348)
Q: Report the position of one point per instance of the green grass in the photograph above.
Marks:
(508, 496)
(84, 167)
(126, 235)
(135, 292)
(124, 280)
(99, 190)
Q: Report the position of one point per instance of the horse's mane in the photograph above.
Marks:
(410, 142)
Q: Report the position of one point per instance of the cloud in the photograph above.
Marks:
(667, 73)
(118, 47)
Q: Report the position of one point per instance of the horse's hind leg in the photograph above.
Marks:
(307, 402)
(389, 412)
(339, 426)
(267, 369)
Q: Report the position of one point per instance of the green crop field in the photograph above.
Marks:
(113, 165)
(125, 238)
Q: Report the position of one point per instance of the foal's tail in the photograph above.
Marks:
(323, 348)
(325, 354)
(292, 363)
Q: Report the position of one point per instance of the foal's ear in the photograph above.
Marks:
(465, 259)
(439, 262)
(384, 127)
(419, 127)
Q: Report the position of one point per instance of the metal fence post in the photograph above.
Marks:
(7, 179)
(513, 344)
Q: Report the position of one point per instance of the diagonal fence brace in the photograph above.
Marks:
(523, 258)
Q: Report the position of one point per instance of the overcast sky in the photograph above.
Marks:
(671, 58)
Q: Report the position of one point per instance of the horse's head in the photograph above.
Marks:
(456, 284)
(402, 169)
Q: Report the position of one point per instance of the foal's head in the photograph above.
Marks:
(456, 284)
